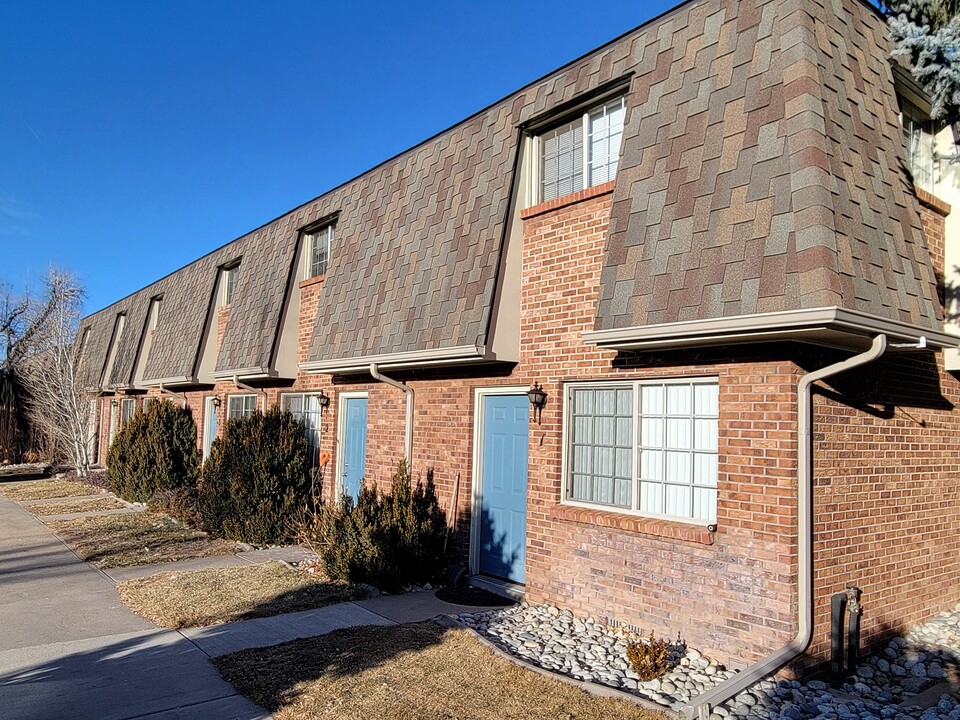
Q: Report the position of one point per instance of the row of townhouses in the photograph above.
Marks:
(720, 245)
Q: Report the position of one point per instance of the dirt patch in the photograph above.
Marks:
(76, 506)
(208, 597)
(46, 489)
(407, 672)
(123, 540)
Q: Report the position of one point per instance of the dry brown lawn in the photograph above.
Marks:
(208, 597)
(407, 672)
(76, 506)
(46, 489)
(142, 538)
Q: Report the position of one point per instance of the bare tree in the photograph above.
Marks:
(44, 355)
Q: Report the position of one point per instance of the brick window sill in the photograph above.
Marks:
(633, 524)
(310, 282)
(569, 199)
(931, 201)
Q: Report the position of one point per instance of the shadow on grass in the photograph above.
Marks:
(311, 597)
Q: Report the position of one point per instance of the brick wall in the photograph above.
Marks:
(887, 496)
(729, 592)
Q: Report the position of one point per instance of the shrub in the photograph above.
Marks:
(651, 658)
(179, 503)
(156, 451)
(256, 479)
(387, 540)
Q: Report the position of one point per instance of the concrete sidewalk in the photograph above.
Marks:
(70, 649)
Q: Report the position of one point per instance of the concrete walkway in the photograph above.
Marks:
(70, 649)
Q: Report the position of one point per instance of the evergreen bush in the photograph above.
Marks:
(155, 452)
(388, 540)
(257, 479)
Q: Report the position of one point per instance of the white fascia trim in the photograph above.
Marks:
(179, 380)
(250, 373)
(414, 358)
(797, 325)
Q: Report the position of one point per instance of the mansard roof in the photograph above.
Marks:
(762, 171)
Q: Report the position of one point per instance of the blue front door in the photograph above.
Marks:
(354, 444)
(503, 490)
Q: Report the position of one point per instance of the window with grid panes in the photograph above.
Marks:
(644, 447)
(128, 407)
(919, 136)
(583, 152)
(240, 406)
(306, 408)
(229, 281)
(318, 246)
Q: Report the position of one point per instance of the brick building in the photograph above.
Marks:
(714, 242)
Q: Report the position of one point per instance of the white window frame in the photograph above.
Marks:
(114, 413)
(917, 126)
(567, 439)
(324, 232)
(231, 398)
(126, 403)
(147, 402)
(536, 155)
(318, 432)
(228, 277)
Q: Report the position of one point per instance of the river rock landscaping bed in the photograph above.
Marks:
(908, 680)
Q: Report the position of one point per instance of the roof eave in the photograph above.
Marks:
(176, 380)
(829, 326)
(458, 355)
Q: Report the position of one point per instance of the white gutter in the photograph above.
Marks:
(413, 358)
(703, 704)
(409, 391)
(830, 326)
(244, 386)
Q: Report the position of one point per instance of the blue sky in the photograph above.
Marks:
(136, 136)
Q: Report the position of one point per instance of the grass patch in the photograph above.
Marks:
(75, 506)
(407, 672)
(46, 489)
(208, 597)
(142, 538)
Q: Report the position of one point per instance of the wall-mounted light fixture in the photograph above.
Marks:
(114, 403)
(216, 401)
(538, 399)
(324, 400)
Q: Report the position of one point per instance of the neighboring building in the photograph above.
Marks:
(667, 234)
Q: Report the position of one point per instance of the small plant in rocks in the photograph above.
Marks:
(650, 658)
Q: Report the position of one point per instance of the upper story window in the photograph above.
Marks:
(147, 402)
(581, 153)
(919, 135)
(644, 447)
(240, 406)
(154, 313)
(228, 281)
(319, 243)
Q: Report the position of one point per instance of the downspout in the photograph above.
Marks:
(182, 396)
(244, 386)
(409, 391)
(704, 703)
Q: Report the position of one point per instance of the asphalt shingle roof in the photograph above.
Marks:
(762, 169)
